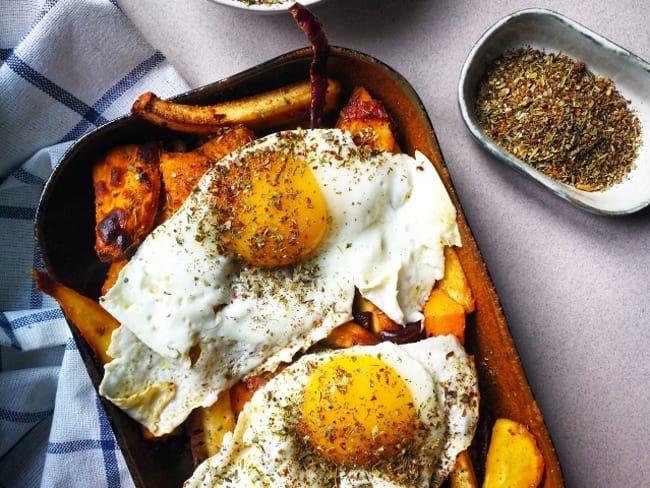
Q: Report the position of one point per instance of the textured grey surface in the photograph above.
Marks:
(574, 286)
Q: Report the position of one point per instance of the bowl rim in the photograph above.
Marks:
(464, 100)
(281, 6)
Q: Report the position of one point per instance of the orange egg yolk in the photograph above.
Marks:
(276, 213)
(357, 410)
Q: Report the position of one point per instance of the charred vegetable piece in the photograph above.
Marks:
(315, 33)
(282, 107)
(127, 189)
(94, 323)
(368, 121)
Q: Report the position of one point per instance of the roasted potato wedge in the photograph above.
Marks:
(207, 426)
(454, 282)
(513, 458)
(282, 107)
(463, 475)
(127, 190)
(350, 334)
(94, 323)
(368, 121)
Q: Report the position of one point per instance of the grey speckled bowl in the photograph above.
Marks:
(553, 32)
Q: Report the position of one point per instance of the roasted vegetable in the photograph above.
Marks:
(368, 121)
(112, 274)
(443, 316)
(127, 190)
(350, 334)
(181, 171)
(372, 317)
(207, 426)
(463, 475)
(94, 323)
(513, 458)
(454, 282)
(282, 107)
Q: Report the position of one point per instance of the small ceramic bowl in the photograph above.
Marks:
(552, 32)
(265, 6)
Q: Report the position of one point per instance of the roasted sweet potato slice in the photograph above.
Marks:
(127, 189)
(112, 274)
(282, 107)
(182, 170)
(368, 121)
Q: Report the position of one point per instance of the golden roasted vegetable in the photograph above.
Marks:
(443, 316)
(242, 391)
(513, 458)
(285, 106)
(350, 334)
(94, 323)
(127, 190)
(207, 426)
(112, 274)
(181, 171)
(454, 282)
(463, 475)
(368, 121)
(377, 320)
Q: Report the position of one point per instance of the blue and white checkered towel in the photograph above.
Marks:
(66, 66)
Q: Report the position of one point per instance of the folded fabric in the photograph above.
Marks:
(67, 66)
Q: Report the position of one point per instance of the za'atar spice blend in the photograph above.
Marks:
(554, 114)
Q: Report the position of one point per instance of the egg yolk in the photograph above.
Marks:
(275, 212)
(357, 410)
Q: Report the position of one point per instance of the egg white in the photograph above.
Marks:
(389, 218)
(265, 450)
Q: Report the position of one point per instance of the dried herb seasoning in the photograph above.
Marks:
(551, 112)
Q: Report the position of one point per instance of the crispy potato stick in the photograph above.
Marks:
(368, 121)
(93, 322)
(207, 426)
(463, 475)
(513, 458)
(286, 106)
(127, 190)
(454, 282)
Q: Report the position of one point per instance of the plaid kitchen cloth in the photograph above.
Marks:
(66, 66)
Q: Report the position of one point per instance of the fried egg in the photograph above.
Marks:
(373, 416)
(263, 260)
